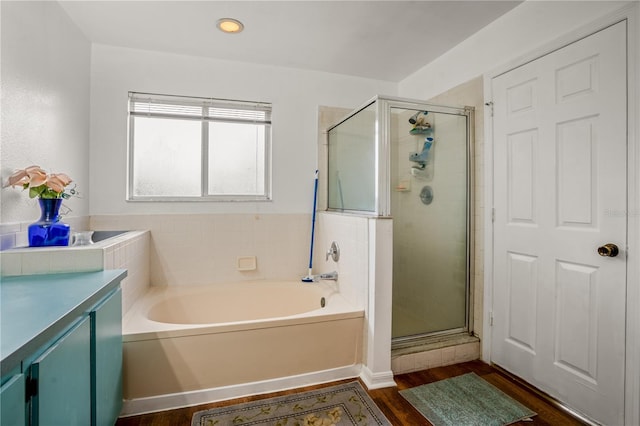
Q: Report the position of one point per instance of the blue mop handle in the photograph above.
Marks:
(313, 219)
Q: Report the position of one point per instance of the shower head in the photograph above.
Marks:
(414, 117)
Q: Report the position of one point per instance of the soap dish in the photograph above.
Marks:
(246, 263)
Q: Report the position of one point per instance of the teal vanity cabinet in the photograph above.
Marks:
(106, 356)
(61, 380)
(61, 349)
(13, 409)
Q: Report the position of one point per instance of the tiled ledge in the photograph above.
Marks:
(53, 260)
(435, 354)
(128, 251)
(15, 234)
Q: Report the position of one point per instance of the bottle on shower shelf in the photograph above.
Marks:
(424, 161)
(420, 124)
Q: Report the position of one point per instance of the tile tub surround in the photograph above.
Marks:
(351, 233)
(202, 249)
(364, 272)
(128, 251)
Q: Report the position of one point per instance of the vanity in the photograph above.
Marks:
(61, 348)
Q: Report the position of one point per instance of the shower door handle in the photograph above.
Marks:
(608, 250)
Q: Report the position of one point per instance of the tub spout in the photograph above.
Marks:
(329, 276)
(326, 276)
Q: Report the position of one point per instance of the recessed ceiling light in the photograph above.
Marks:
(229, 25)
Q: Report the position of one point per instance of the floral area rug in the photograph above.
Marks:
(345, 404)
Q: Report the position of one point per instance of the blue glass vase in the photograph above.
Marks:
(48, 230)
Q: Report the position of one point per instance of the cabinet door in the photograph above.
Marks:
(12, 402)
(63, 375)
(107, 355)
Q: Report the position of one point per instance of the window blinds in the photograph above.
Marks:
(201, 109)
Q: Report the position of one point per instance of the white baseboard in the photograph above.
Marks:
(377, 380)
(132, 407)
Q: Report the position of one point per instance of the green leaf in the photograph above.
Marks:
(34, 192)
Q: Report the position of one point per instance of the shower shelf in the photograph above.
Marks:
(422, 130)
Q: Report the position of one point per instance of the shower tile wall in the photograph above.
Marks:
(195, 249)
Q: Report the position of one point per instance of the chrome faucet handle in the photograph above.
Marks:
(329, 276)
(334, 252)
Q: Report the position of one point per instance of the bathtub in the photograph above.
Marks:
(187, 345)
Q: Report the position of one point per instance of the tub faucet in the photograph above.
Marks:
(329, 276)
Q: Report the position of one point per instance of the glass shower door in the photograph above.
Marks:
(352, 158)
(429, 205)
(410, 161)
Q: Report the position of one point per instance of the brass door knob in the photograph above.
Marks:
(608, 250)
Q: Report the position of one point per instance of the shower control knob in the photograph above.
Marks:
(333, 252)
(608, 250)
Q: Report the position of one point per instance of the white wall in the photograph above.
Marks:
(516, 33)
(45, 102)
(295, 95)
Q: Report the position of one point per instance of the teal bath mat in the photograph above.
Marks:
(465, 400)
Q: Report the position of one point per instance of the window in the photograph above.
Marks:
(198, 149)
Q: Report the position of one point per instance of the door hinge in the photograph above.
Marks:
(490, 105)
(491, 318)
(493, 215)
(31, 388)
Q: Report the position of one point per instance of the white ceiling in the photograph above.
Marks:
(385, 40)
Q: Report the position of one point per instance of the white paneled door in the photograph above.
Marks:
(560, 193)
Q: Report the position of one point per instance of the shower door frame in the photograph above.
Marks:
(382, 191)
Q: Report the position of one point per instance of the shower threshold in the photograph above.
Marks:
(434, 351)
(431, 342)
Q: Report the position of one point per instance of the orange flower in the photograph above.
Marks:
(39, 183)
(37, 176)
(18, 178)
(64, 178)
(57, 182)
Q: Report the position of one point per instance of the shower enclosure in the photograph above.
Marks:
(411, 161)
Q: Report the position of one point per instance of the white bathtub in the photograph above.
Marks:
(189, 345)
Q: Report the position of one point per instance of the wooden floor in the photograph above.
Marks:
(394, 406)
